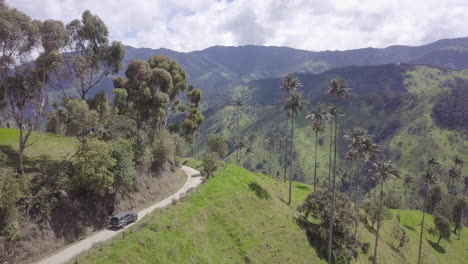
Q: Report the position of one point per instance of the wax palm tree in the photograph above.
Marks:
(293, 106)
(334, 112)
(361, 147)
(238, 104)
(270, 141)
(429, 178)
(338, 88)
(319, 116)
(454, 174)
(382, 170)
(289, 84)
(407, 181)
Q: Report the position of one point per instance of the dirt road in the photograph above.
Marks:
(68, 253)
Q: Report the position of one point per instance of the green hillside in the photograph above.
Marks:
(241, 217)
(55, 146)
(394, 102)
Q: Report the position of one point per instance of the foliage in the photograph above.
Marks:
(451, 106)
(217, 145)
(371, 208)
(209, 165)
(100, 104)
(457, 213)
(442, 226)
(392, 200)
(434, 197)
(399, 236)
(92, 166)
(94, 58)
(80, 121)
(3, 159)
(163, 151)
(124, 169)
(316, 216)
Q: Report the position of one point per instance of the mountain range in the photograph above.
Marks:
(218, 67)
(397, 93)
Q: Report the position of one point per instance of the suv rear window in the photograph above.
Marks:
(114, 220)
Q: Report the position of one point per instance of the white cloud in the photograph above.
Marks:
(305, 24)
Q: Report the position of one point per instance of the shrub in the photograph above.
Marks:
(92, 166)
(163, 151)
(3, 159)
(392, 200)
(216, 144)
(124, 170)
(317, 205)
(11, 231)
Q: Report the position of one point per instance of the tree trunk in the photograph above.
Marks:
(286, 152)
(330, 156)
(440, 238)
(237, 136)
(356, 201)
(315, 162)
(406, 189)
(23, 140)
(270, 163)
(332, 217)
(374, 261)
(21, 148)
(422, 225)
(291, 171)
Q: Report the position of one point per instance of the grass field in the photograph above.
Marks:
(241, 217)
(55, 146)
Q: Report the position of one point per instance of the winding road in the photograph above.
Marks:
(64, 255)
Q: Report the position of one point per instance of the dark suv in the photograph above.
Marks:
(122, 219)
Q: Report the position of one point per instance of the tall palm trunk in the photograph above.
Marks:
(330, 156)
(332, 217)
(315, 160)
(291, 171)
(357, 198)
(286, 152)
(422, 225)
(406, 189)
(270, 163)
(237, 135)
(374, 261)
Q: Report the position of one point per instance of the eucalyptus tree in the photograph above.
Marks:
(319, 117)
(294, 105)
(150, 88)
(29, 55)
(238, 104)
(382, 170)
(429, 178)
(289, 84)
(88, 56)
(338, 88)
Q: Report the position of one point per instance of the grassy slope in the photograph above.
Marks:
(229, 220)
(55, 146)
(224, 222)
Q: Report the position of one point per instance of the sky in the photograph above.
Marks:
(188, 25)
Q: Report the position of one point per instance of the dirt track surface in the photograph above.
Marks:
(71, 251)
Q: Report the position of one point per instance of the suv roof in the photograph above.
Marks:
(119, 215)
